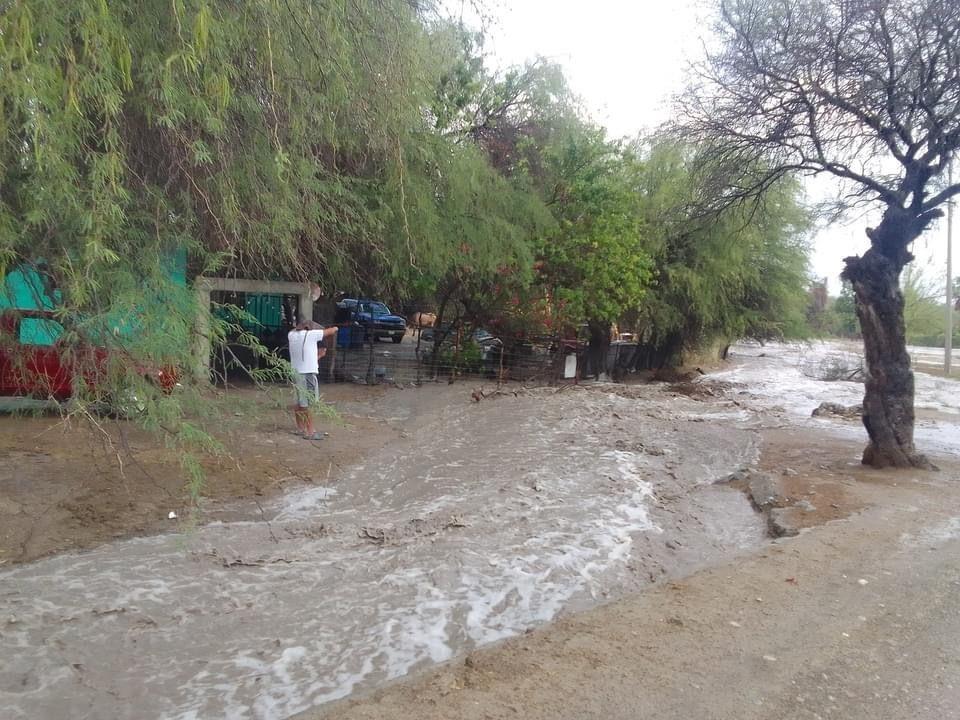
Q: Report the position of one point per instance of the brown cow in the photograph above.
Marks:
(423, 320)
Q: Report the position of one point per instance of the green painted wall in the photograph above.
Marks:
(23, 289)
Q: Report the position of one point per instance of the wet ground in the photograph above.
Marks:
(781, 382)
(490, 519)
(69, 484)
(854, 620)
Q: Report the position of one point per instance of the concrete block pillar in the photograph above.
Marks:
(206, 285)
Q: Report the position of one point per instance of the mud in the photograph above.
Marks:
(67, 486)
(855, 620)
(488, 519)
(493, 518)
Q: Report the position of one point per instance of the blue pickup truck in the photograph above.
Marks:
(374, 317)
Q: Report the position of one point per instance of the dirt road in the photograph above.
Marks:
(858, 619)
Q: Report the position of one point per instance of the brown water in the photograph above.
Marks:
(496, 517)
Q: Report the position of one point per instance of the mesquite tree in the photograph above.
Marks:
(865, 90)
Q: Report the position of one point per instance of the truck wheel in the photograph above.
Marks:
(398, 338)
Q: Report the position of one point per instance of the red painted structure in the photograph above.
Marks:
(52, 372)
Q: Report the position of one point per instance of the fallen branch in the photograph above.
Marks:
(480, 394)
(229, 562)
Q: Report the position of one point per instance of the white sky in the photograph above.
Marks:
(627, 59)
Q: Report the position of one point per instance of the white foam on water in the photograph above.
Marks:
(774, 376)
(241, 620)
(934, 535)
(304, 503)
(936, 393)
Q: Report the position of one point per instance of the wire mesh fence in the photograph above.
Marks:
(423, 357)
(443, 355)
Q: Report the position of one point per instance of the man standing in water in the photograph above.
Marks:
(305, 354)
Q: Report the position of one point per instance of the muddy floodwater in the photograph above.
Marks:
(490, 518)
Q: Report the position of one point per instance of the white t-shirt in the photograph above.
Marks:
(304, 354)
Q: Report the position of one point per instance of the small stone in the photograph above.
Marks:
(769, 658)
(736, 476)
(779, 525)
(764, 491)
(846, 412)
(734, 623)
(861, 581)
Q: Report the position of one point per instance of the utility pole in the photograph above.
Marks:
(948, 336)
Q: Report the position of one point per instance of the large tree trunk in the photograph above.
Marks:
(598, 348)
(888, 413)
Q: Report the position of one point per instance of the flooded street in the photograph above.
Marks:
(491, 518)
(781, 380)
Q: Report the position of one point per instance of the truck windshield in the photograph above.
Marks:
(376, 308)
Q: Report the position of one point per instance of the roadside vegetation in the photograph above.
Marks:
(368, 146)
(866, 93)
(924, 311)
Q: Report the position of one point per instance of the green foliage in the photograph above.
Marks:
(354, 143)
(844, 311)
(491, 229)
(924, 312)
(269, 139)
(585, 228)
(595, 264)
(718, 277)
(464, 358)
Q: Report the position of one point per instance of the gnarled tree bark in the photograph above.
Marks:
(866, 92)
(598, 348)
(888, 412)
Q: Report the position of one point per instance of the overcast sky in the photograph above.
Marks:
(627, 59)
